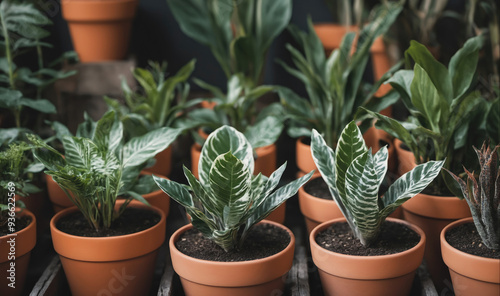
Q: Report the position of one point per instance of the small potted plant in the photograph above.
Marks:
(350, 251)
(101, 236)
(155, 105)
(226, 205)
(17, 225)
(471, 246)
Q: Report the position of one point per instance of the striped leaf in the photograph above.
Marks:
(108, 132)
(324, 158)
(208, 201)
(380, 159)
(78, 152)
(409, 185)
(176, 191)
(223, 140)
(349, 147)
(264, 132)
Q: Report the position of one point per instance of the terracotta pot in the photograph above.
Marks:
(157, 198)
(406, 159)
(265, 164)
(163, 164)
(59, 199)
(211, 278)
(24, 242)
(100, 30)
(366, 275)
(121, 265)
(432, 214)
(470, 274)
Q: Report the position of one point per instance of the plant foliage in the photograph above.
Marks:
(228, 199)
(354, 176)
(483, 195)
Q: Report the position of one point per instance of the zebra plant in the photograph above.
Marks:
(228, 199)
(483, 197)
(354, 176)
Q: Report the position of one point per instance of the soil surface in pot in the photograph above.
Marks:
(393, 238)
(20, 224)
(466, 239)
(130, 221)
(262, 241)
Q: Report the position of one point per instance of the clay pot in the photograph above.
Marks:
(406, 159)
(163, 164)
(211, 278)
(59, 199)
(366, 275)
(121, 265)
(25, 241)
(100, 30)
(157, 198)
(432, 214)
(470, 274)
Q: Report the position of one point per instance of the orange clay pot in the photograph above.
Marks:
(406, 159)
(121, 265)
(432, 214)
(156, 198)
(470, 274)
(265, 164)
(163, 164)
(366, 275)
(25, 241)
(100, 30)
(59, 199)
(247, 278)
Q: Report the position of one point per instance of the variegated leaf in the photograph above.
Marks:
(324, 158)
(223, 140)
(264, 132)
(108, 132)
(176, 191)
(350, 146)
(380, 159)
(208, 200)
(78, 152)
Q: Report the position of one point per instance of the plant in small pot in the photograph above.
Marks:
(17, 225)
(350, 251)
(103, 237)
(471, 246)
(155, 105)
(446, 117)
(226, 205)
(333, 84)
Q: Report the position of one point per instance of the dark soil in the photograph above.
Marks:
(466, 239)
(318, 188)
(262, 241)
(132, 220)
(20, 224)
(393, 238)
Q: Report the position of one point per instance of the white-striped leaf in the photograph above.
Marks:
(140, 149)
(223, 140)
(324, 158)
(349, 147)
(409, 185)
(108, 132)
(264, 132)
(176, 191)
(208, 200)
(77, 151)
(380, 159)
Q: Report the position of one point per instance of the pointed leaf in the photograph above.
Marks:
(264, 132)
(175, 190)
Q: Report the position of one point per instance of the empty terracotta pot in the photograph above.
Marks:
(121, 265)
(247, 278)
(470, 274)
(100, 30)
(346, 275)
(163, 164)
(16, 249)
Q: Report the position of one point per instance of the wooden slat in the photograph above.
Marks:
(298, 279)
(427, 286)
(50, 282)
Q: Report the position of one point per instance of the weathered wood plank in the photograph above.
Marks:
(50, 282)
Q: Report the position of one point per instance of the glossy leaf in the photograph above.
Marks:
(264, 132)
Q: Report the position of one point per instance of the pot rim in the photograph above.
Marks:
(28, 231)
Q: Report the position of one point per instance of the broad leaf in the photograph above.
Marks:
(43, 106)
(264, 132)
(426, 99)
(175, 190)
(463, 65)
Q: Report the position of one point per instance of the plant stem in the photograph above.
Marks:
(8, 54)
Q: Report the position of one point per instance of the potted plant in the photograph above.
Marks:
(100, 30)
(17, 225)
(445, 114)
(90, 237)
(471, 246)
(226, 206)
(155, 105)
(333, 83)
(353, 175)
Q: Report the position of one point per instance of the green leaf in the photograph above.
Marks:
(43, 106)
(401, 82)
(210, 203)
(325, 159)
(138, 197)
(264, 132)
(108, 133)
(223, 140)
(79, 151)
(426, 99)
(493, 121)
(175, 190)
(462, 67)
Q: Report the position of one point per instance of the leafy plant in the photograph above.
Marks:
(238, 32)
(237, 109)
(228, 200)
(483, 195)
(21, 28)
(354, 175)
(443, 107)
(155, 106)
(333, 84)
(97, 170)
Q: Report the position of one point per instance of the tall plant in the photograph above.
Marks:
(354, 176)
(228, 200)
(97, 170)
(334, 83)
(238, 32)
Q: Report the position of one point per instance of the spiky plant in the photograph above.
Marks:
(228, 199)
(354, 176)
(483, 195)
